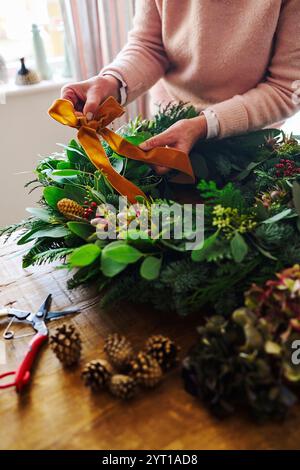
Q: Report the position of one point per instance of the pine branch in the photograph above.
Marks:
(38, 249)
(51, 255)
(11, 229)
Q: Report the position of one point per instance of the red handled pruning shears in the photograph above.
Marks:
(38, 322)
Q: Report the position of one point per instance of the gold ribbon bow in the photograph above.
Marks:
(63, 111)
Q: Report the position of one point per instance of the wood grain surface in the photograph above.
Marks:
(57, 412)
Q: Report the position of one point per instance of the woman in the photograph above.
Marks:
(237, 61)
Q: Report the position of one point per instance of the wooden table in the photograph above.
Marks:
(58, 412)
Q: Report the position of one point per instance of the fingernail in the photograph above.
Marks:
(143, 146)
(89, 116)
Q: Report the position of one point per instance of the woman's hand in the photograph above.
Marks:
(182, 135)
(86, 96)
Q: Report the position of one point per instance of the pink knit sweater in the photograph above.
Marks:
(239, 57)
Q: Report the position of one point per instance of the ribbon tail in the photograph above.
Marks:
(163, 156)
(90, 142)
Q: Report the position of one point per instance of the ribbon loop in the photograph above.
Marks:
(63, 111)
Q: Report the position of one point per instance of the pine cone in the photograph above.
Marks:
(70, 209)
(164, 350)
(146, 370)
(66, 345)
(96, 374)
(119, 351)
(123, 386)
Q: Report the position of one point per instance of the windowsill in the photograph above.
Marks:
(11, 89)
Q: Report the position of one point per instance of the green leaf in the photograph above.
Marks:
(139, 138)
(277, 217)
(63, 165)
(150, 268)
(39, 213)
(264, 252)
(121, 252)
(239, 248)
(52, 232)
(76, 193)
(207, 247)
(81, 229)
(109, 267)
(52, 195)
(66, 173)
(84, 255)
(117, 162)
(26, 237)
(74, 152)
(296, 196)
(64, 176)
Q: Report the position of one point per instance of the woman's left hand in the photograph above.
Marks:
(182, 135)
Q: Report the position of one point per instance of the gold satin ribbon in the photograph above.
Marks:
(63, 111)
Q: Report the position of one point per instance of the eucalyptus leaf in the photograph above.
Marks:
(84, 255)
(239, 248)
(277, 217)
(150, 268)
(121, 252)
(111, 268)
(52, 232)
(39, 213)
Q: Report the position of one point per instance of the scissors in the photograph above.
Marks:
(38, 321)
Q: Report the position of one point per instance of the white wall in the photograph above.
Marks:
(26, 131)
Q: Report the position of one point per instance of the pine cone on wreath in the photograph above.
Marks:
(97, 374)
(164, 350)
(119, 351)
(123, 386)
(65, 342)
(70, 209)
(146, 370)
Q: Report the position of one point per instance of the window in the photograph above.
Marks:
(16, 19)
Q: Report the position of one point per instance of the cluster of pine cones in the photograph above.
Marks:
(125, 372)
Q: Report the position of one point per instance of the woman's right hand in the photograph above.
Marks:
(86, 96)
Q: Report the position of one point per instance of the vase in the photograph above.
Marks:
(26, 76)
(3, 71)
(42, 65)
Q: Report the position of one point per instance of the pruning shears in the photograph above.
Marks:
(38, 321)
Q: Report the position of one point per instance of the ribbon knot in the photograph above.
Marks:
(63, 111)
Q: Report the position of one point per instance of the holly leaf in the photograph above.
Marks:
(239, 248)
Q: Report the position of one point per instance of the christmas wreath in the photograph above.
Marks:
(250, 186)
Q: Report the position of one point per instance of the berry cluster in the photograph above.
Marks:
(90, 208)
(286, 168)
